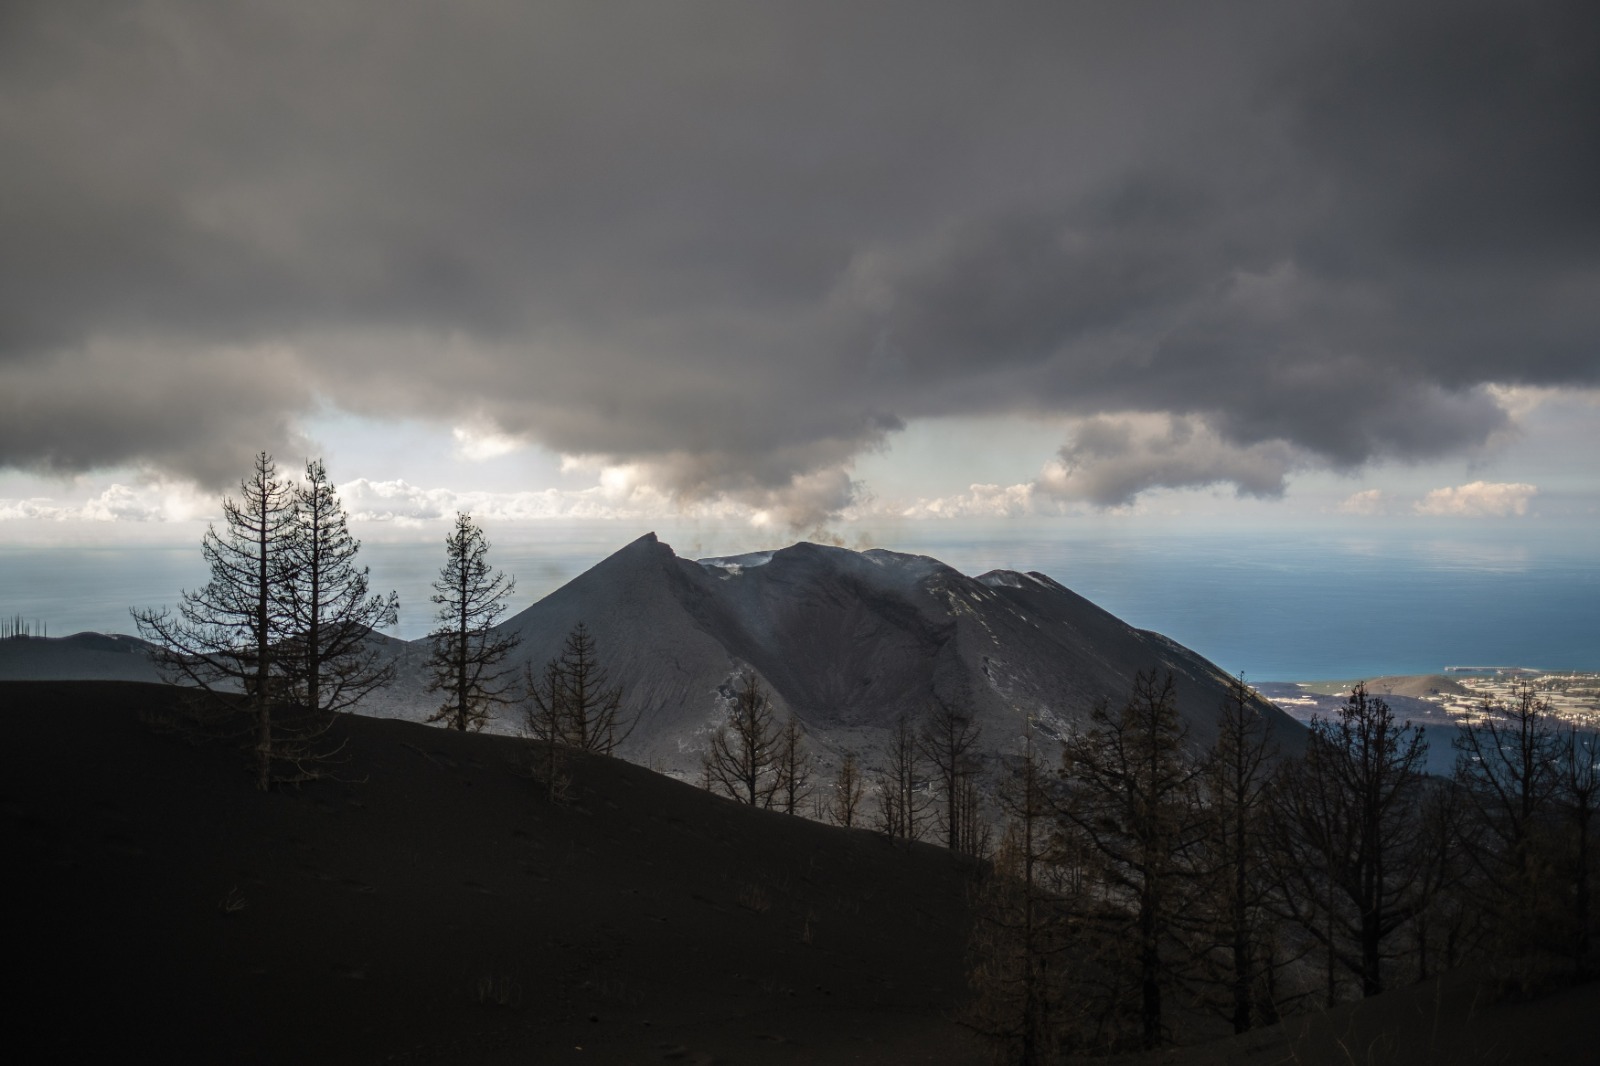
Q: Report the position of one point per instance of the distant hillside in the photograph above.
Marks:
(80, 657)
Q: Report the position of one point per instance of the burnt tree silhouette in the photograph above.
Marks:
(544, 722)
(949, 743)
(588, 706)
(1129, 797)
(1509, 769)
(902, 802)
(1580, 793)
(1018, 930)
(231, 636)
(466, 652)
(795, 767)
(1235, 876)
(1354, 854)
(844, 802)
(743, 760)
(330, 659)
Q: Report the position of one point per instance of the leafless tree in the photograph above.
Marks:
(1236, 780)
(795, 767)
(591, 704)
(949, 742)
(571, 704)
(228, 638)
(330, 657)
(743, 760)
(1019, 925)
(844, 803)
(1580, 794)
(902, 800)
(1354, 854)
(545, 724)
(1129, 796)
(466, 650)
(1509, 768)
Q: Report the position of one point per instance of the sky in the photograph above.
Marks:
(784, 270)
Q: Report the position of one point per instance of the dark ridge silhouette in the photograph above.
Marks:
(80, 657)
(441, 910)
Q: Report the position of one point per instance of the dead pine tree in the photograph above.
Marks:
(844, 802)
(902, 799)
(1128, 795)
(949, 742)
(467, 653)
(331, 659)
(1235, 878)
(544, 724)
(795, 768)
(1508, 767)
(1353, 850)
(591, 704)
(1579, 799)
(743, 759)
(229, 638)
(1016, 939)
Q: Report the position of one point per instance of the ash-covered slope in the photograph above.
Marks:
(848, 641)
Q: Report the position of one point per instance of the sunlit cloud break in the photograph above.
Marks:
(1479, 499)
(1366, 502)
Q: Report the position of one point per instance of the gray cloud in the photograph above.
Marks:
(737, 245)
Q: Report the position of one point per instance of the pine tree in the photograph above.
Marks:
(1356, 857)
(330, 658)
(794, 767)
(1508, 764)
(743, 760)
(1579, 801)
(229, 636)
(902, 800)
(1129, 797)
(949, 742)
(545, 723)
(844, 803)
(466, 651)
(1237, 778)
(1018, 925)
(590, 703)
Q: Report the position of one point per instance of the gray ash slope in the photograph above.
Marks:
(847, 641)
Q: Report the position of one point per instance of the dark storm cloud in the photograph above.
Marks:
(738, 244)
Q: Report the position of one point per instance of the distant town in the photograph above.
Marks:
(1460, 693)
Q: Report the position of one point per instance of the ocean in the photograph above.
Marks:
(1274, 606)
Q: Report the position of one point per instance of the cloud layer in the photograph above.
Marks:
(731, 248)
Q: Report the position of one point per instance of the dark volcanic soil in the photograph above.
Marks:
(443, 911)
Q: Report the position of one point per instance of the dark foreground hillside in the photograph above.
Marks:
(443, 911)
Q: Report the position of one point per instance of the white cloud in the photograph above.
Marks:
(615, 497)
(982, 501)
(1365, 502)
(157, 501)
(1479, 499)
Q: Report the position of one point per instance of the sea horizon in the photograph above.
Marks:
(1274, 607)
